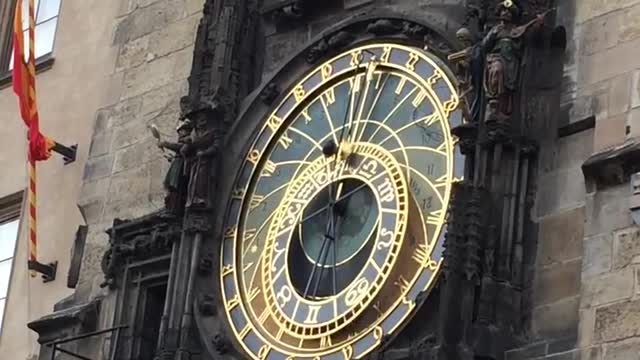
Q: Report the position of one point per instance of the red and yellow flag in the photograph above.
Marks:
(24, 85)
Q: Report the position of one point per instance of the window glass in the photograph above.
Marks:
(5, 275)
(8, 236)
(46, 23)
(48, 10)
(46, 32)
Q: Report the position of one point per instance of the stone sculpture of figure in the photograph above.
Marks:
(175, 182)
(204, 150)
(470, 71)
(504, 45)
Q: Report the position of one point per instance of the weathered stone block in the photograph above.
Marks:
(637, 281)
(136, 155)
(100, 144)
(183, 60)
(98, 167)
(617, 321)
(630, 23)
(134, 182)
(600, 33)
(132, 53)
(589, 9)
(280, 47)
(166, 97)
(586, 327)
(603, 65)
(557, 282)
(153, 75)
(608, 210)
(591, 353)
(129, 134)
(131, 207)
(561, 237)
(141, 21)
(620, 94)
(626, 248)
(120, 113)
(607, 288)
(556, 320)
(568, 152)
(560, 189)
(174, 37)
(597, 256)
(91, 211)
(94, 189)
(610, 132)
(624, 350)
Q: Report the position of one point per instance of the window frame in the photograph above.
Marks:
(11, 209)
(7, 13)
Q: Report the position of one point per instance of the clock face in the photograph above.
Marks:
(335, 227)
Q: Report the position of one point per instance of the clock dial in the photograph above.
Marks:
(335, 226)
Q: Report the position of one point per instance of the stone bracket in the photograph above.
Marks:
(613, 166)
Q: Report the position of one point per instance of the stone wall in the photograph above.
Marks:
(124, 174)
(587, 288)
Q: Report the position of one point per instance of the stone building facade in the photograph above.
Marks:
(581, 299)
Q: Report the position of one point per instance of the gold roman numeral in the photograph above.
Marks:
(356, 57)
(269, 168)
(400, 86)
(413, 60)
(329, 96)
(435, 218)
(235, 301)
(285, 140)
(249, 234)
(305, 115)
(402, 283)
(419, 98)
(326, 341)
(431, 119)
(254, 293)
(312, 316)
(386, 54)
(244, 332)
(256, 200)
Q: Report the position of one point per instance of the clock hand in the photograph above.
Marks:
(342, 198)
(329, 150)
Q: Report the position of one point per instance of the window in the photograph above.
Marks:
(9, 227)
(46, 24)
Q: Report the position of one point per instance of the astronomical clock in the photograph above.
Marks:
(334, 231)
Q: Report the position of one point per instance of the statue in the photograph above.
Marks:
(504, 45)
(491, 68)
(203, 151)
(470, 71)
(175, 182)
